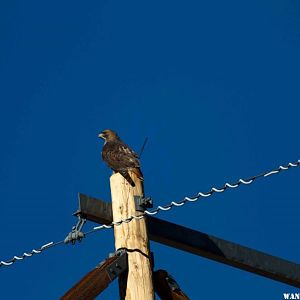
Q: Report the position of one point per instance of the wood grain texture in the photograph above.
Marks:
(132, 236)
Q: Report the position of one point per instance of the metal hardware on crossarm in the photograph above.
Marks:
(76, 234)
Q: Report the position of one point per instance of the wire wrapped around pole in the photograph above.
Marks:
(201, 195)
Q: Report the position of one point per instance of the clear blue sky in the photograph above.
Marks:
(215, 87)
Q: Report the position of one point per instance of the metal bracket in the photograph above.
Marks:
(172, 283)
(76, 233)
(117, 267)
(142, 203)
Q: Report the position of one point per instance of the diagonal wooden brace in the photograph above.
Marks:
(166, 287)
(97, 280)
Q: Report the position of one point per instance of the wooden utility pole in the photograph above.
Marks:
(132, 236)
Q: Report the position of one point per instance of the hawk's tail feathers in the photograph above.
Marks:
(126, 175)
(138, 173)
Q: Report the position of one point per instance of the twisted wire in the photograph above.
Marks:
(158, 209)
(198, 196)
(29, 254)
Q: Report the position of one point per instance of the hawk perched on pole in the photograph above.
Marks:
(119, 157)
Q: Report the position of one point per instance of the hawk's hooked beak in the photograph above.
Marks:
(101, 135)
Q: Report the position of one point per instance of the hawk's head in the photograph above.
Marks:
(108, 135)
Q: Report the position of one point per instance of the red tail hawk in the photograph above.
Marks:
(119, 157)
